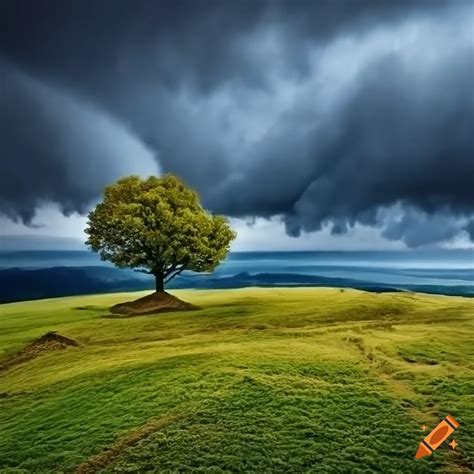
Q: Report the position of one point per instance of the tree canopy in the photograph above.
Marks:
(157, 225)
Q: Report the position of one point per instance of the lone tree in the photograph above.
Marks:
(157, 226)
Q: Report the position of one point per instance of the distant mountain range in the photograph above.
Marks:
(34, 274)
(17, 284)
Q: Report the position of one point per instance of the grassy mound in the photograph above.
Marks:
(51, 341)
(158, 302)
(259, 380)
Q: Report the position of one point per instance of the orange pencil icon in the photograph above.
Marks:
(437, 436)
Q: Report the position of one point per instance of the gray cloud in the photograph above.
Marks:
(324, 113)
(401, 132)
(469, 228)
(417, 228)
(59, 149)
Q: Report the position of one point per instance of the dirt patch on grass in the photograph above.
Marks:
(158, 302)
(51, 341)
(106, 457)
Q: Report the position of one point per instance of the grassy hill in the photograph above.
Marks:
(282, 380)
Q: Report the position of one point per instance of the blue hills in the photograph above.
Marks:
(18, 284)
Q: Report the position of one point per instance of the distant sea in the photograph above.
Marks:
(39, 274)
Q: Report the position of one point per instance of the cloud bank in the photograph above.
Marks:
(325, 114)
(59, 149)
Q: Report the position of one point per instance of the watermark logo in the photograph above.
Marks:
(441, 433)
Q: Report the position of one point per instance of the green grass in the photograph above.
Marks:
(279, 380)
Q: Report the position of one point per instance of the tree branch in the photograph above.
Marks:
(170, 276)
(173, 268)
(142, 270)
(170, 269)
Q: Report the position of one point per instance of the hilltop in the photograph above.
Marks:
(325, 380)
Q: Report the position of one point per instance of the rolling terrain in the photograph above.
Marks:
(281, 380)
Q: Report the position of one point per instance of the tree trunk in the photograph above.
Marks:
(159, 283)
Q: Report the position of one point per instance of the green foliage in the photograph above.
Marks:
(157, 225)
(259, 381)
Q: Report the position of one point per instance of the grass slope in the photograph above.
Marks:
(283, 380)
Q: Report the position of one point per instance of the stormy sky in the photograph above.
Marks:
(311, 124)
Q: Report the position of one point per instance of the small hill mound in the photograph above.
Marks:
(51, 341)
(158, 302)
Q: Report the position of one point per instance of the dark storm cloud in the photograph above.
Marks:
(326, 113)
(202, 43)
(57, 149)
(469, 228)
(417, 228)
(400, 137)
